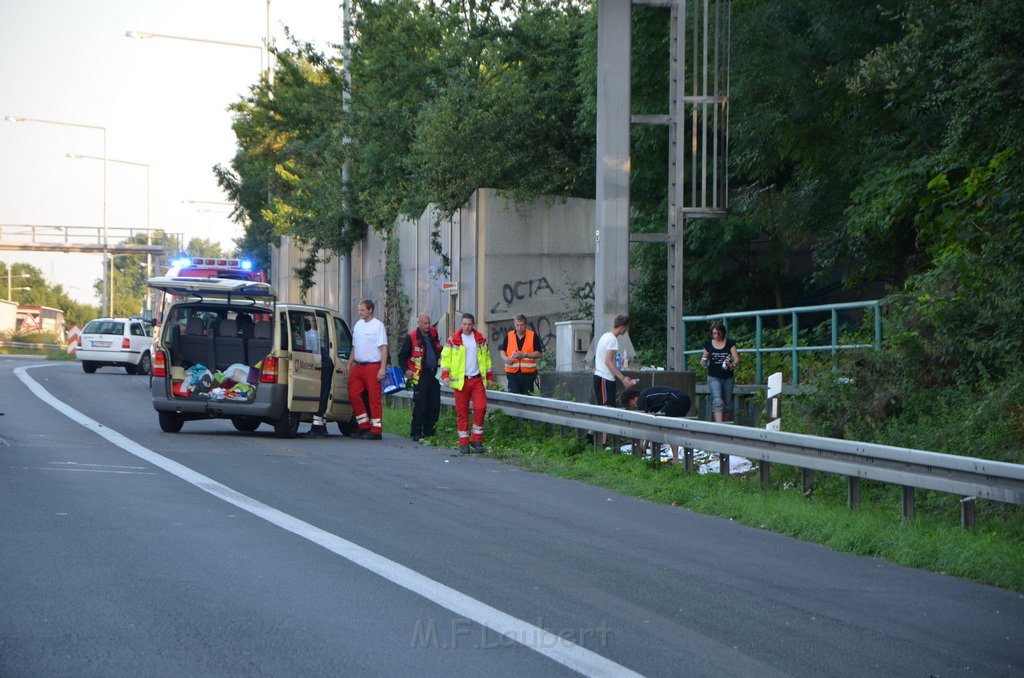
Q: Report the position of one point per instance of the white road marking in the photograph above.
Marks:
(90, 470)
(549, 644)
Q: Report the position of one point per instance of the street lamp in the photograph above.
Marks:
(10, 282)
(15, 289)
(267, 70)
(149, 256)
(106, 250)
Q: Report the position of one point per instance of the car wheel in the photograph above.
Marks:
(145, 365)
(348, 428)
(287, 426)
(89, 367)
(170, 422)
(131, 369)
(245, 424)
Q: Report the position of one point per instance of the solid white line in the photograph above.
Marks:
(90, 470)
(549, 644)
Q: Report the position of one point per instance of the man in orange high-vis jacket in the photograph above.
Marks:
(520, 350)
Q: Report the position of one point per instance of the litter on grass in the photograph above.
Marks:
(703, 460)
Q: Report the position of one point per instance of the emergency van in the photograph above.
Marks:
(227, 349)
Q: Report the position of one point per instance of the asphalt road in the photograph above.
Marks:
(125, 551)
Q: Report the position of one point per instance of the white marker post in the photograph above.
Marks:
(774, 420)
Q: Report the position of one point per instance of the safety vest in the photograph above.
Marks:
(525, 365)
(453, 359)
(415, 361)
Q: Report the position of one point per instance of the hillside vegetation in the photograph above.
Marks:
(875, 153)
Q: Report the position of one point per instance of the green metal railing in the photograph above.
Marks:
(794, 348)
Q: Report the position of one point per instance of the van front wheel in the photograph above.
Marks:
(348, 428)
(287, 426)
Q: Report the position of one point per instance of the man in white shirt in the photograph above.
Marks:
(312, 337)
(606, 367)
(368, 365)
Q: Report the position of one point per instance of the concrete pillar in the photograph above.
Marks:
(611, 230)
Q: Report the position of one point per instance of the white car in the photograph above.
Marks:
(116, 342)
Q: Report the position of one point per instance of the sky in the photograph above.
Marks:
(162, 102)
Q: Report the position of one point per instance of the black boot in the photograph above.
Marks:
(316, 431)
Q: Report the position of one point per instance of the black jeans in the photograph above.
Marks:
(326, 375)
(426, 405)
(519, 382)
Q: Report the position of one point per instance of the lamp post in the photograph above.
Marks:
(268, 44)
(106, 250)
(149, 256)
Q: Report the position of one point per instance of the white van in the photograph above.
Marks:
(226, 349)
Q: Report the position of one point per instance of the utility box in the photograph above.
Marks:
(572, 340)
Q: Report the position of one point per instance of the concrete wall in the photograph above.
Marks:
(579, 386)
(285, 258)
(505, 258)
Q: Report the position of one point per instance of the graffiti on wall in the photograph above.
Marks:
(521, 290)
(543, 326)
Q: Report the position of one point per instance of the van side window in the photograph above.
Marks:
(344, 347)
(297, 329)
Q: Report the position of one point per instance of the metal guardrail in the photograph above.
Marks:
(968, 477)
(31, 346)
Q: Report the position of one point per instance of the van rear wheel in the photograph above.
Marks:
(170, 422)
(287, 426)
(245, 424)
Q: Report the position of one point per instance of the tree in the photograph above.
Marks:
(131, 271)
(44, 294)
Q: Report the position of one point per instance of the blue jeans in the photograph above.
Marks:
(721, 393)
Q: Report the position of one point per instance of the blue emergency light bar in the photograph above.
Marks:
(201, 262)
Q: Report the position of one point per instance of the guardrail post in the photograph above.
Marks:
(908, 503)
(723, 464)
(967, 506)
(852, 492)
(688, 459)
(806, 480)
(764, 469)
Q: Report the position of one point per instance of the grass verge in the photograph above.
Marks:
(991, 553)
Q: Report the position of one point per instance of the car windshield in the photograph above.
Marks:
(104, 327)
